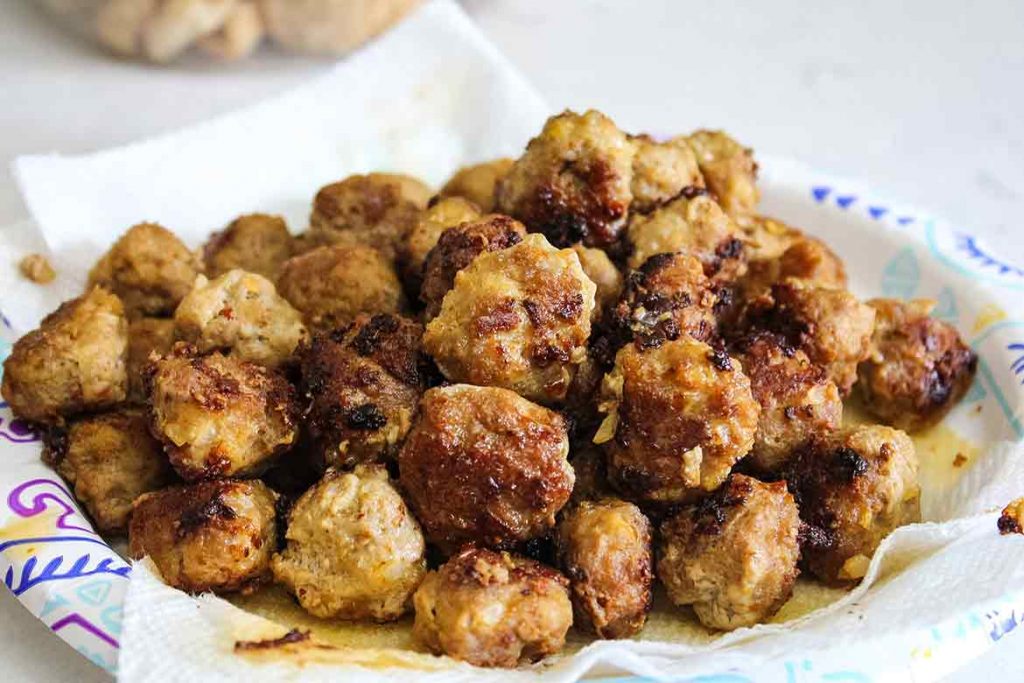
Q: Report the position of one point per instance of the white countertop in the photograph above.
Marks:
(921, 99)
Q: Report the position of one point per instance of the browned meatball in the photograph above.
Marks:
(517, 318)
(484, 465)
(149, 269)
(853, 489)
(766, 238)
(211, 536)
(493, 609)
(441, 215)
(74, 361)
(604, 547)
(733, 556)
(729, 170)
(573, 181)
(456, 249)
(257, 243)
(807, 259)
(919, 367)
(330, 286)
(354, 550)
(362, 384)
(605, 276)
(219, 416)
(145, 336)
(109, 460)
(679, 417)
(661, 170)
(590, 469)
(477, 182)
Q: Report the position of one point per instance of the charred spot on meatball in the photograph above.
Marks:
(445, 213)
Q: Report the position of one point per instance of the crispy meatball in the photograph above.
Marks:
(444, 214)
(807, 259)
(729, 170)
(734, 555)
(354, 550)
(145, 336)
(149, 269)
(241, 314)
(517, 318)
(109, 460)
(219, 416)
(484, 465)
(477, 182)
(604, 547)
(330, 286)
(766, 238)
(605, 276)
(573, 181)
(362, 384)
(211, 536)
(74, 361)
(853, 488)
(919, 367)
(679, 416)
(493, 609)
(257, 243)
(661, 170)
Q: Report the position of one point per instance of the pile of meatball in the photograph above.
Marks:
(510, 406)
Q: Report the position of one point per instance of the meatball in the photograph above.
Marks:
(605, 276)
(766, 238)
(853, 488)
(807, 259)
(241, 314)
(145, 337)
(109, 460)
(517, 318)
(919, 367)
(219, 416)
(604, 547)
(444, 214)
(149, 269)
(330, 286)
(457, 247)
(484, 465)
(257, 243)
(73, 362)
(477, 183)
(211, 536)
(354, 551)
(590, 469)
(661, 170)
(493, 609)
(734, 555)
(573, 181)
(362, 384)
(729, 170)
(679, 417)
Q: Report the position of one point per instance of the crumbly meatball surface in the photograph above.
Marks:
(806, 259)
(604, 547)
(661, 170)
(853, 488)
(484, 465)
(573, 181)
(478, 182)
(258, 243)
(679, 416)
(919, 367)
(211, 536)
(766, 238)
(219, 416)
(729, 170)
(149, 268)
(354, 551)
(441, 215)
(517, 318)
(241, 314)
(605, 276)
(733, 556)
(73, 362)
(109, 460)
(493, 609)
(145, 336)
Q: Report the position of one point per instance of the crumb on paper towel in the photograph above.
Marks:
(959, 460)
(37, 268)
(1010, 521)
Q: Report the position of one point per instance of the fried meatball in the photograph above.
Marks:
(919, 367)
(766, 238)
(145, 336)
(219, 416)
(412, 253)
(661, 170)
(211, 536)
(573, 181)
(729, 170)
(734, 555)
(73, 362)
(149, 269)
(807, 259)
(257, 243)
(604, 547)
(241, 314)
(484, 465)
(362, 384)
(853, 488)
(330, 286)
(590, 469)
(477, 182)
(605, 276)
(354, 551)
(109, 460)
(679, 417)
(493, 609)
(457, 247)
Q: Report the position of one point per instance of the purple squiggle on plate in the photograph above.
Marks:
(18, 431)
(77, 619)
(41, 501)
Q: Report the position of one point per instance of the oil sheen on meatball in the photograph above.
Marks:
(439, 216)
(257, 243)
(661, 170)
(145, 336)
(729, 170)
(476, 183)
